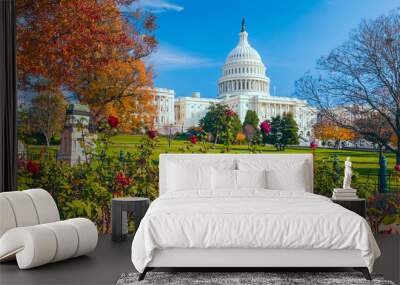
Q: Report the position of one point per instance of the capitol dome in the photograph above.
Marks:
(243, 72)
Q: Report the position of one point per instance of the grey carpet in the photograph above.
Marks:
(269, 278)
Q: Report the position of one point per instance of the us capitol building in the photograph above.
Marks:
(243, 86)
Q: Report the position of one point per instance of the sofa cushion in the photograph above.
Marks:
(7, 220)
(45, 205)
(41, 244)
(23, 208)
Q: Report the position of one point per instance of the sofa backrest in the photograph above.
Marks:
(281, 162)
(26, 208)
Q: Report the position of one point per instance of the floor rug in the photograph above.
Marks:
(244, 278)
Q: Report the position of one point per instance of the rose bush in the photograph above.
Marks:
(152, 134)
(265, 127)
(86, 189)
(113, 121)
(384, 212)
(33, 167)
(313, 145)
(193, 139)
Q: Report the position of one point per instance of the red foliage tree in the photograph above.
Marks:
(60, 41)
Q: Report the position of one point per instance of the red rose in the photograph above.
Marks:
(265, 127)
(121, 179)
(230, 113)
(33, 167)
(397, 167)
(151, 134)
(113, 121)
(313, 145)
(193, 139)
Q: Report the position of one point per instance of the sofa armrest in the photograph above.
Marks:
(41, 244)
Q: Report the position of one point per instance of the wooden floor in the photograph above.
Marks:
(110, 259)
(103, 266)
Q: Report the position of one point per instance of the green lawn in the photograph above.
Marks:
(363, 162)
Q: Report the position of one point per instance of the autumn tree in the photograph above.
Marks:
(240, 137)
(119, 90)
(90, 49)
(393, 139)
(60, 41)
(47, 114)
(326, 131)
(360, 78)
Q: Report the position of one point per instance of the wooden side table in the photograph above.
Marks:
(120, 207)
(357, 205)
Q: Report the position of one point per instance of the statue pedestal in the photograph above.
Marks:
(344, 194)
(75, 136)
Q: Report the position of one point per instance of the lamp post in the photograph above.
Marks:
(383, 175)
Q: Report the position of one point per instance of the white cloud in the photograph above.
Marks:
(168, 57)
(154, 6)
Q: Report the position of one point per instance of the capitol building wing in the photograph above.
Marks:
(243, 86)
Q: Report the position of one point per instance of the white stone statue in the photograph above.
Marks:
(347, 174)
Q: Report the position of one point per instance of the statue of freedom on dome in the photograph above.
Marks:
(243, 25)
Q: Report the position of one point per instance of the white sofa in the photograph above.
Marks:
(31, 231)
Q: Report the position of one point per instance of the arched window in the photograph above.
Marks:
(247, 84)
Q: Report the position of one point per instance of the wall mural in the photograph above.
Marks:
(91, 123)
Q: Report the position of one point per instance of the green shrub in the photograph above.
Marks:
(327, 176)
(86, 189)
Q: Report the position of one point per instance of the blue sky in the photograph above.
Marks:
(290, 35)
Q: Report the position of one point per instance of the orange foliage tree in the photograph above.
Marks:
(240, 137)
(120, 90)
(67, 43)
(329, 131)
(393, 139)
